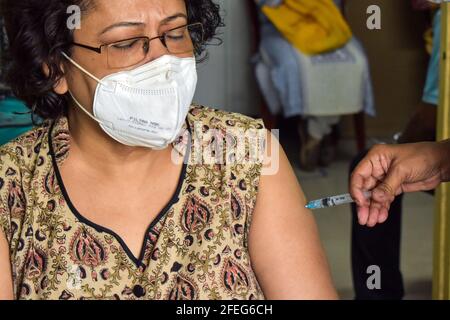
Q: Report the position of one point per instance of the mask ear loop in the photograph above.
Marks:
(105, 123)
(77, 102)
(82, 108)
(82, 69)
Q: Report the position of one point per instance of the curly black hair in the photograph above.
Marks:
(38, 34)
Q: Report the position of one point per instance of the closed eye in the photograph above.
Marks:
(175, 37)
(125, 45)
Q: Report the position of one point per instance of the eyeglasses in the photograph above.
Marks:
(129, 52)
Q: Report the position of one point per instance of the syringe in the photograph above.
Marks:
(333, 201)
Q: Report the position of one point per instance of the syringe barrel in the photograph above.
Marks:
(338, 200)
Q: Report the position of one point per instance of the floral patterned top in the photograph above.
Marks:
(196, 248)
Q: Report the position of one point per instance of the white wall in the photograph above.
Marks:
(226, 79)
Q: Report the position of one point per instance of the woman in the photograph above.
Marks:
(92, 205)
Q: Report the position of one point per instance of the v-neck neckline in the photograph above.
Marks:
(138, 261)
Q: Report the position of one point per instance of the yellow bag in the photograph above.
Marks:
(312, 26)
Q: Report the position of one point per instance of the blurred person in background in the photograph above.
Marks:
(380, 245)
(310, 65)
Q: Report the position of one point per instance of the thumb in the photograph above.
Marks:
(387, 189)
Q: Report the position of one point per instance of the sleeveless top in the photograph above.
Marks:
(196, 248)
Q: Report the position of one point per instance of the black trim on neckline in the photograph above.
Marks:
(174, 199)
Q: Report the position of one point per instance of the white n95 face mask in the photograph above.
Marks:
(147, 106)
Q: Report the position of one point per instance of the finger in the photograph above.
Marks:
(386, 191)
(367, 175)
(363, 215)
(371, 183)
(359, 194)
(359, 187)
(383, 216)
(374, 212)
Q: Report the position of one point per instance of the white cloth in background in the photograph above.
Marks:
(319, 127)
(333, 83)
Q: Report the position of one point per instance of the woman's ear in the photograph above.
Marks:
(61, 87)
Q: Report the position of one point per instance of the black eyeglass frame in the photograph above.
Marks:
(161, 37)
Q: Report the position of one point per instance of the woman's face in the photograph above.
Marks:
(110, 21)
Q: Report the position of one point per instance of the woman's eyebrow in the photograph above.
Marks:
(121, 24)
(173, 17)
(139, 24)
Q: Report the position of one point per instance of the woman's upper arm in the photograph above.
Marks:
(284, 243)
(6, 283)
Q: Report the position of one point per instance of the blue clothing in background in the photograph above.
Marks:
(12, 124)
(431, 91)
(14, 119)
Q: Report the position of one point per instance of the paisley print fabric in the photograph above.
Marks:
(195, 249)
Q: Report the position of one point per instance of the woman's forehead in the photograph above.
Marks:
(139, 10)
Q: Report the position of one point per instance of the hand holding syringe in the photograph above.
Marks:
(333, 201)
